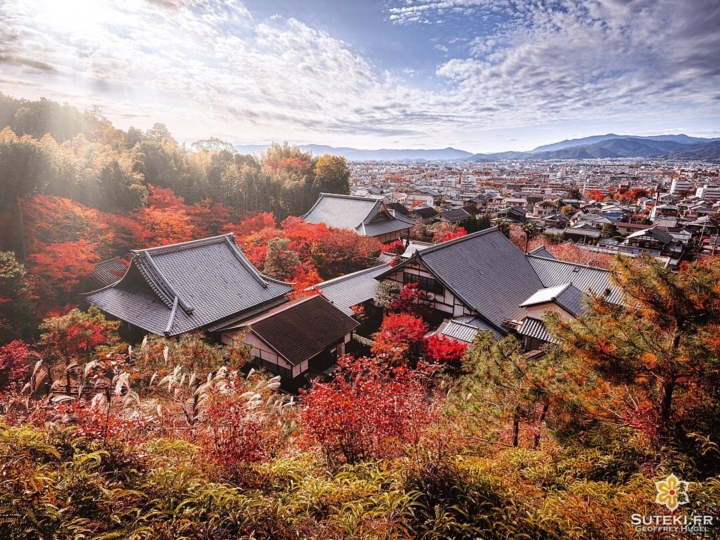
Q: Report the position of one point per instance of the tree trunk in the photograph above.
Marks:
(666, 404)
(21, 227)
(543, 414)
(516, 429)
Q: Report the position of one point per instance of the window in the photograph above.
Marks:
(424, 283)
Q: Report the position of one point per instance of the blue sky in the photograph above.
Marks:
(480, 75)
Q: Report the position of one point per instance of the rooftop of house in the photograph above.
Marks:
(567, 296)
(352, 289)
(456, 214)
(485, 270)
(182, 287)
(366, 216)
(302, 329)
(654, 232)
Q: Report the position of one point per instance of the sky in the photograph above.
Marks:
(478, 75)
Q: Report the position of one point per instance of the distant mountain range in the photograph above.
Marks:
(673, 147)
(354, 154)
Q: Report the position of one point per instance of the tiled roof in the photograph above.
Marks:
(414, 246)
(357, 214)
(398, 207)
(456, 214)
(535, 328)
(182, 287)
(656, 233)
(352, 289)
(385, 226)
(110, 271)
(587, 279)
(466, 328)
(302, 329)
(342, 211)
(485, 271)
(425, 212)
(542, 252)
(567, 296)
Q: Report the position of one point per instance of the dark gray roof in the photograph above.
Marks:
(542, 252)
(485, 271)
(456, 214)
(567, 296)
(535, 328)
(183, 287)
(661, 236)
(398, 207)
(366, 216)
(424, 212)
(302, 329)
(352, 289)
(595, 281)
(385, 226)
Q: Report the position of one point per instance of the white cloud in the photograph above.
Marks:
(207, 67)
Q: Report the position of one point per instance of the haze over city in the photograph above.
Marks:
(477, 75)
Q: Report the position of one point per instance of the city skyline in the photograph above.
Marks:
(476, 75)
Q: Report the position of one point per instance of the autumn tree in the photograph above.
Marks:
(15, 358)
(343, 252)
(72, 339)
(503, 226)
(331, 175)
(444, 350)
(22, 173)
(659, 347)
(16, 304)
(413, 300)
(369, 411)
(400, 338)
(280, 262)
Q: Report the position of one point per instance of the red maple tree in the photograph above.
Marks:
(369, 411)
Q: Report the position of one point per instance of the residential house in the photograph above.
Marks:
(456, 215)
(299, 340)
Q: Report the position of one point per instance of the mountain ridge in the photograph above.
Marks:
(609, 146)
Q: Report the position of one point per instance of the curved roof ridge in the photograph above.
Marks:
(171, 248)
(156, 279)
(254, 272)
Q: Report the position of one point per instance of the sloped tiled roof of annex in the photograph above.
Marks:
(302, 329)
(485, 271)
(343, 211)
(352, 289)
(656, 233)
(182, 287)
(465, 328)
(590, 280)
(535, 328)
